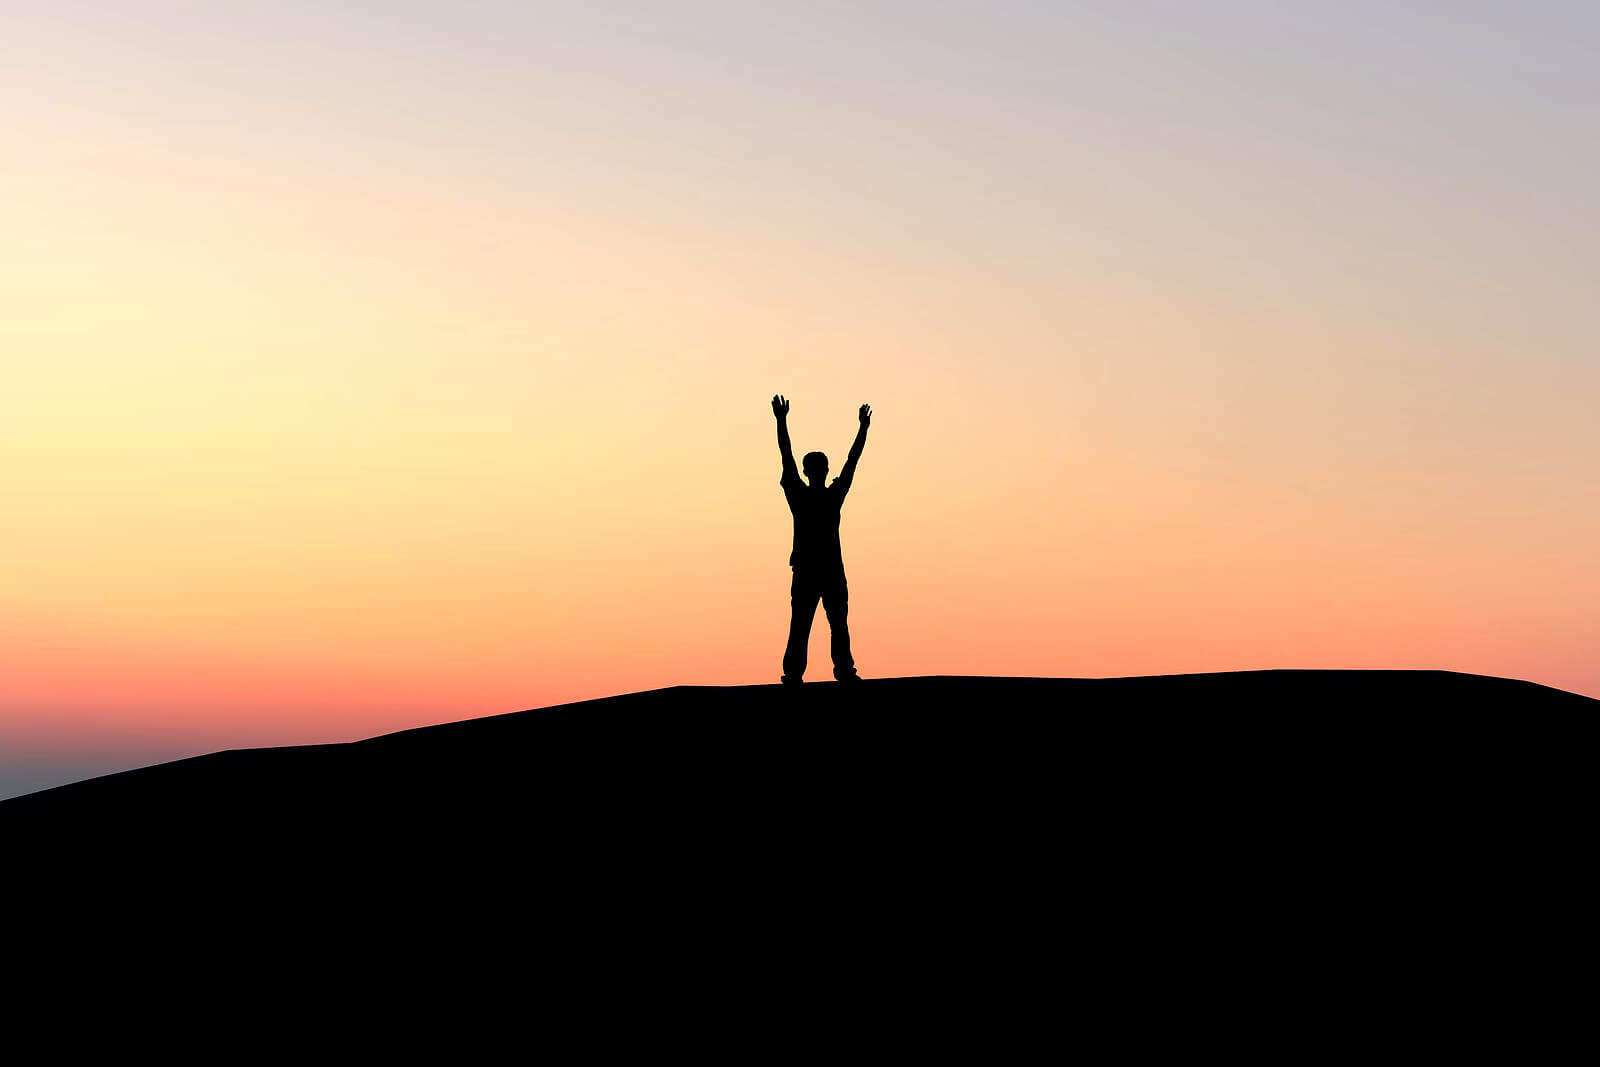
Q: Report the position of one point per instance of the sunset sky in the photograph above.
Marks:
(376, 364)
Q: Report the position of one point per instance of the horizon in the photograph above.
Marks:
(377, 367)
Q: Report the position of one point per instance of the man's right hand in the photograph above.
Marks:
(780, 407)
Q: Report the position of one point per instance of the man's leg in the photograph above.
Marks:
(803, 596)
(836, 605)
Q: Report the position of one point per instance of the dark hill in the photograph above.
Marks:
(1267, 853)
(916, 755)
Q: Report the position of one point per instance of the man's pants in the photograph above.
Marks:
(808, 587)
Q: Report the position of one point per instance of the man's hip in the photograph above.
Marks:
(818, 579)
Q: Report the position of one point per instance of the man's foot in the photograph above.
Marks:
(790, 680)
(848, 678)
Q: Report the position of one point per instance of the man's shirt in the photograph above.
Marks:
(816, 522)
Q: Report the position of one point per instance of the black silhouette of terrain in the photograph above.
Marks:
(1291, 855)
(877, 764)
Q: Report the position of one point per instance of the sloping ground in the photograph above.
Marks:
(1290, 858)
(736, 760)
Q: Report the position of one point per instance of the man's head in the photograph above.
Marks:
(815, 466)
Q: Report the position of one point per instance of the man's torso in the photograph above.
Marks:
(816, 525)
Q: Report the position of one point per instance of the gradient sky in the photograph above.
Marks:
(377, 364)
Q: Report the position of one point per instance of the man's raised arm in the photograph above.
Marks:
(780, 410)
(848, 474)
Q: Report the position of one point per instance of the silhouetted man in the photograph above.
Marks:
(816, 559)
